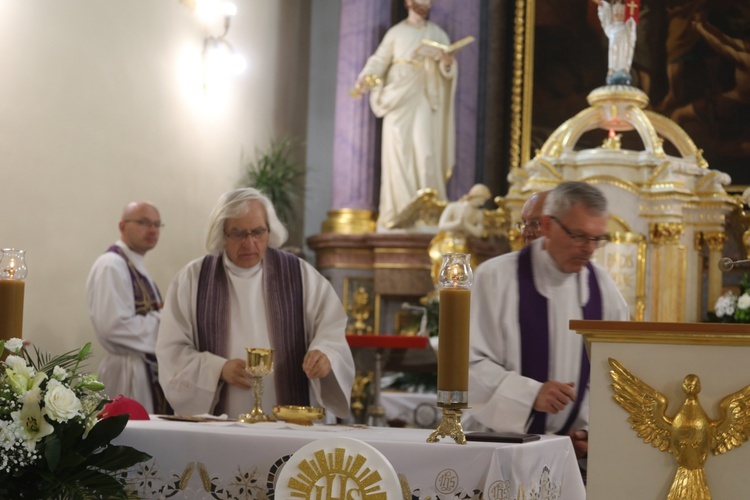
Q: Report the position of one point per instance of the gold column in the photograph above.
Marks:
(715, 241)
(668, 272)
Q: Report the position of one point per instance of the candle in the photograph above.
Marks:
(453, 346)
(11, 308)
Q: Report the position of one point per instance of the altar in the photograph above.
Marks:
(233, 460)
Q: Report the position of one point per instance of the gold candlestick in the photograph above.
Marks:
(455, 280)
(259, 364)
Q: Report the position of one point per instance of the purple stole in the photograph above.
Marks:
(534, 326)
(147, 299)
(282, 283)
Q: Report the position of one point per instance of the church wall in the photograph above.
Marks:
(100, 104)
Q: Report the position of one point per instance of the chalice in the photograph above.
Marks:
(259, 364)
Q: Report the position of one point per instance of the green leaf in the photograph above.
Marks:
(84, 352)
(105, 431)
(52, 451)
(277, 175)
(114, 458)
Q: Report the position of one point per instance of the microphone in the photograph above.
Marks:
(727, 264)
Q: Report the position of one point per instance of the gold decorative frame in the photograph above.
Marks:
(627, 268)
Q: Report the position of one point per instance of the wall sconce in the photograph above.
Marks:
(220, 60)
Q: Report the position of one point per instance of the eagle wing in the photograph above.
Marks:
(645, 404)
(733, 427)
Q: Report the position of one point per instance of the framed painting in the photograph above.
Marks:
(692, 58)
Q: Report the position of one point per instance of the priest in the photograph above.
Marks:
(246, 293)
(528, 371)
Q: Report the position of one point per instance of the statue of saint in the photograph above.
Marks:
(460, 220)
(413, 92)
(621, 35)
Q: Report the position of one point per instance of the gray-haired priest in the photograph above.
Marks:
(528, 371)
(245, 293)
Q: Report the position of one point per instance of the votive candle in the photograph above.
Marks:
(453, 347)
(11, 308)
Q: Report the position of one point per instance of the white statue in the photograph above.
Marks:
(621, 35)
(414, 95)
(459, 220)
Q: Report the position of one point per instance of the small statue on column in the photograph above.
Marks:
(619, 19)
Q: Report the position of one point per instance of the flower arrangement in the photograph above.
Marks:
(733, 307)
(52, 442)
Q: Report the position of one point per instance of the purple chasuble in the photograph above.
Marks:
(282, 284)
(147, 299)
(534, 328)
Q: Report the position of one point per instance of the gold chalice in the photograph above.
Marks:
(259, 364)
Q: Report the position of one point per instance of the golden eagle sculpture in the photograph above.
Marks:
(690, 434)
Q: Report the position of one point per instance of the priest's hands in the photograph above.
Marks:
(233, 372)
(554, 396)
(316, 364)
(580, 440)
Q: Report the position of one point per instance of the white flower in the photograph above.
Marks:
(14, 345)
(725, 305)
(61, 403)
(33, 425)
(7, 434)
(32, 396)
(744, 301)
(14, 362)
(22, 377)
(59, 373)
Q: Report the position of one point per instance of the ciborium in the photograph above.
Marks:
(259, 364)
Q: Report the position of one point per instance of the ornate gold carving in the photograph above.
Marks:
(450, 426)
(358, 304)
(350, 475)
(623, 93)
(519, 100)
(613, 181)
(627, 267)
(360, 311)
(424, 208)
(613, 141)
(666, 233)
(349, 221)
(360, 395)
(715, 240)
(690, 434)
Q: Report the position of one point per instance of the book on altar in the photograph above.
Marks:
(432, 49)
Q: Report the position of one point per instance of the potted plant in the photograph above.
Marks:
(278, 175)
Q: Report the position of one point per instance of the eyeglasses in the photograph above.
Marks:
(146, 223)
(582, 239)
(532, 225)
(239, 236)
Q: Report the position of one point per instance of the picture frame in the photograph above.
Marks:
(559, 55)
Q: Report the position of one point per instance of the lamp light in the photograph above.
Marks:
(220, 60)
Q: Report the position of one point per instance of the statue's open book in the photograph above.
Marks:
(432, 49)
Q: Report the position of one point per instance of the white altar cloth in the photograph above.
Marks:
(233, 460)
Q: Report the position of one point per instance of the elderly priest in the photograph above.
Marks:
(245, 293)
(528, 371)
